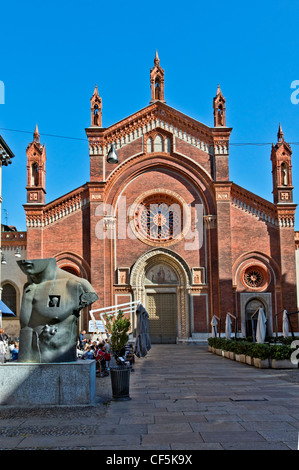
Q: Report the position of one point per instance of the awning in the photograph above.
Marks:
(4, 309)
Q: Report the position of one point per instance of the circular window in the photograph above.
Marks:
(255, 278)
(158, 219)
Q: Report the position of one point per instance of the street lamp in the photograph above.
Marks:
(17, 253)
(112, 156)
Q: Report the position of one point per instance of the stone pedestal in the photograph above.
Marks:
(72, 383)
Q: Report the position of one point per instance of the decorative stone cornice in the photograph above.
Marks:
(38, 216)
(254, 205)
(157, 115)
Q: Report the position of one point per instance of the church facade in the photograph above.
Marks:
(160, 221)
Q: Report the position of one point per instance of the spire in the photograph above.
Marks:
(219, 108)
(157, 81)
(157, 60)
(96, 91)
(96, 108)
(280, 134)
(219, 92)
(36, 135)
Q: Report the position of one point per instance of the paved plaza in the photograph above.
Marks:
(182, 398)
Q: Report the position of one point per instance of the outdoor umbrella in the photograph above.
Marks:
(285, 324)
(228, 327)
(4, 309)
(214, 327)
(143, 342)
(261, 326)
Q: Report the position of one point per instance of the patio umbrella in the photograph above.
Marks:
(228, 327)
(143, 341)
(285, 324)
(214, 326)
(261, 326)
(5, 309)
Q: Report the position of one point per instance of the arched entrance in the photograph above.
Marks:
(161, 302)
(251, 307)
(160, 280)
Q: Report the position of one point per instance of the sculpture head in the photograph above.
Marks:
(35, 266)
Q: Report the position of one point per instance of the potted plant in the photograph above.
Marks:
(281, 357)
(118, 329)
(261, 355)
(240, 351)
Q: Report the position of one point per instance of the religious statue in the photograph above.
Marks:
(51, 304)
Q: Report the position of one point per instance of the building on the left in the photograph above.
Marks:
(6, 156)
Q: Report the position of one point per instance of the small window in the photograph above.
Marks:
(284, 174)
(159, 143)
(149, 145)
(34, 174)
(167, 145)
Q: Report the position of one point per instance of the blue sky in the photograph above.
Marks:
(53, 53)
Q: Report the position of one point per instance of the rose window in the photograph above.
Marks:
(254, 277)
(158, 219)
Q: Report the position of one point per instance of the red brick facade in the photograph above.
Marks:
(231, 251)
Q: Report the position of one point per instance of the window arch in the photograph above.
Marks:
(158, 145)
(34, 174)
(9, 297)
(167, 145)
(284, 174)
(149, 145)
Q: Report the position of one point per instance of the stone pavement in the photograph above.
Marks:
(183, 398)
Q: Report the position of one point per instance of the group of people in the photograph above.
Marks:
(98, 350)
(9, 348)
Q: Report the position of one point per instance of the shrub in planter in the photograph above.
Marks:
(260, 351)
(120, 374)
(261, 355)
(281, 357)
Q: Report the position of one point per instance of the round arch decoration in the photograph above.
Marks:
(185, 167)
(74, 264)
(162, 201)
(182, 273)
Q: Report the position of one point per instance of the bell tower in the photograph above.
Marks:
(157, 81)
(96, 108)
(36, 170)
(282, 170)
(219, 108)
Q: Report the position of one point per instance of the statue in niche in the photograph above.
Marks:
(51, 304)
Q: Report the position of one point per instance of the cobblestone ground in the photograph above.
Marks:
(182, 398)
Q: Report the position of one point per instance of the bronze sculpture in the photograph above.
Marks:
(51, 304)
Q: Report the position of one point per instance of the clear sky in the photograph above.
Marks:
(53, 53)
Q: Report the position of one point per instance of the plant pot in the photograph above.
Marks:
(226, 354)
(261, 363)
(120, 381)
(242, 358)
(249, 360)
(232, 355)
(283, 364)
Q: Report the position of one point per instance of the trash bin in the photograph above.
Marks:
(120, 381)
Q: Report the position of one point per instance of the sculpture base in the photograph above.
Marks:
(66, 383)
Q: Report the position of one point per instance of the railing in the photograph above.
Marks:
(112, 310)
